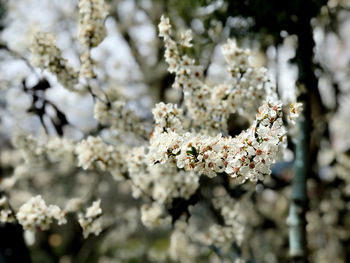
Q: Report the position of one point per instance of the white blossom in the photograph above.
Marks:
(89, 221)
(186, 38)
(234, 219)
(168, 116)
(247, 156)
(95, 153)
(94, 210)
(91, 29)
(236, 58)
(181, 248)
(210, 107)
(163, 184)
(46, 55)
(120, 118)
(153, 215)
(35, 213)
(6, 213)
(294, 111)
(164, 26)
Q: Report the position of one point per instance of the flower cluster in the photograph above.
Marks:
(294, 111)
(28, 144)
(94, 152)
(46, 55)
(236, 58)
(181, 248)
(163, 184)
(186, 38)
(86, 66)
(59, 149)
(53, 148)
(120, 119)
(89, 222)
(249, 85)
(91, 31)
(234, 222)
(188, 76)
(168, 116)
(6, 213)
(248, 156)
(154, 215)
(35, 213)
(210, 107)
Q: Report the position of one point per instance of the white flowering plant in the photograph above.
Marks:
(180, 165)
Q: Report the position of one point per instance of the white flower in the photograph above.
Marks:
(168, 116)
(233, 216)
(248, 156)
(46, 55)
(6, 216)
(116, 115)
(153, 215)
(91, 29)
(236, 58)
(210, 107)
(294, 111)
(164, 27)
(186, 38)
(35, 213)
(89, 226)
(94, 210)
(89, 221)
(181, 248)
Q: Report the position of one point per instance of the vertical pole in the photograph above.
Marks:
(298, 206)
(308, 86)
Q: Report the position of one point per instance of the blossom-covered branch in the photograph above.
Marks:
(91, 31)
(46, 55)
(247, 156)
(210, 107)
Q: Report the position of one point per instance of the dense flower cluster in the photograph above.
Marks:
(36, 214)
(248, 156)
(91, 31)
(163, 184)
(46, 55)
(236, 58)
(94, 152)
(234, 220)
(210, 107)
(29, 146)
(86, 66)
(249, 86)
(120, 119)
(89, 222)
(54, 148)
(168, 116)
